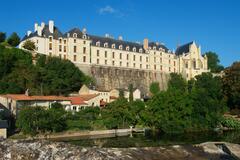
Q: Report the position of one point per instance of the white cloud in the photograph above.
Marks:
(107, 10)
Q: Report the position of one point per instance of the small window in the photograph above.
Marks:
(98, 44)
(113, 54)
(127, 48)
(105, 44)
(84, 42)
(60, 48)
(134, 49)
(161, 67)
(160, 60)
(60, 56)
(146, 59)
(65, 49)
(113, 63)
(75, 35)
(127, 64)
(140, 58)
(98, 53)
(84, 37)
(120, 63)
(60, 40)
(155, 67)
(134, 65)
(120, 47)
(65, 41)
(140, 65)
(127, 57)
(84, 50)
(97, 61)
(50, 46)
(84, 58)
(169, 61)
(113, 46)
(134, 57)
(154, 59)
(64, 56)
(120, 55)
(105, 62)
(75, 58)
(169, 69)
(50, 39)
(174, 63)
(140, 50)
(75, 41)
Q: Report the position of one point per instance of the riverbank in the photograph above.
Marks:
(42, 149)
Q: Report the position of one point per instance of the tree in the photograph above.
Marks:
(14, 39)
(130, 89)
(177, 82)
(231, 85)
(29, 45)
(213, 62)
(2, 37)
(154, 88)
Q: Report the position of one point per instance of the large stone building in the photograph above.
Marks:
(115, 63)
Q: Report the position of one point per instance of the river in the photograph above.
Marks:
(153, 139)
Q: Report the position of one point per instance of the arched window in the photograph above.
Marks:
(120, 47)
(75, 35)
(84, 37)
(154, 48)
(134, 49)
(98, 44)
(140, 50)
(127, 48)
(106, 44)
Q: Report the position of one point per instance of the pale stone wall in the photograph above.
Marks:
(3, 132)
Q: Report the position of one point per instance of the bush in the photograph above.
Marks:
(230, 123)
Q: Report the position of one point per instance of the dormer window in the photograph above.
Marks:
(98, 44)
(120, 47)
(140, 50)
(154, 48)
(113, 46)
(75, 35)
(134, 49)
(84, 37)
(106, 44)
(127, 48)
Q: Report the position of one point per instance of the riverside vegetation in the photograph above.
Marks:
(186, 106)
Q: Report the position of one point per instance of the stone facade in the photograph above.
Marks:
(116, 63)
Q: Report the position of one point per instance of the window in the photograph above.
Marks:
(146, 66)
(98, 44)
(84, 50)
(113, 54)
(140, 50)
(75, 58)
(134, 65)
(113, 63)
(98, 53)
(154, 47)
(50, 46)
(65, 48)
(74, 49)
(127, 48)
(169, 61)
(127, 64)
(60, 40)
(169, 69)
(194, 64)
(161, 67)
(84, 42)
(174, 69)
(140, 58)
(113, 46)
(140, 65)
(64, 56)
(75, 41)
(134, 49)
(75, 35)
(174, 63)
(146, 59)
(60, 48)
(160, 60)
(155, 67)
(127, 57)
(134, 57)
(154, 53)
(105, 54)
(154, 59)
(120, 47)
(186, 65)
(50, 39)
(120, 63)
(60, 56)
(97, 61)
(84, 58)
(106, 62)
(74, 108)
(105, 44)
(120, 55)
(161, 54)
(65, 41)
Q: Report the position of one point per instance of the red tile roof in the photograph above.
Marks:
(77, 101)
(23, 97)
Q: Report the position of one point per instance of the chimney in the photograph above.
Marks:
(28, 33)
(42, 25)
(39, 31)
(145, 43)
(51, 26)
(35, 27)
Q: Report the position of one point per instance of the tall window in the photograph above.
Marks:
(161, 67)
(50, 46)
(60, 56)
(74, 49)
(127, 56)
(65, 48)
(140, 58)
(97, 61)
(120, 55)
(98, 53)
(84, 50)
(105, 54)
(160, 60)
(120, 63)
(155, 67)
(134, 57)
(186, 65)
(84, 58)
(75, 58)
(50, 39)
(113, 63)
(134, 65)
(127, 64)
(75, 40)
(140, 65)
(113, 54)
(64, 56)
(65, 41)
(174, 63)
(154, 59)
(60, 40)
(169, 69)
(146, 59)
(60, 48)
(169, 61)
(106, 62)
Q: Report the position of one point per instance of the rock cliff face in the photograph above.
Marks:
(108, 78)
(42, 150)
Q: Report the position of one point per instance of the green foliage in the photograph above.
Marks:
(177, 82)
(2, 37)
(154, 88)
(213, 62)
(50, 75)
(14, 39)
(130, 89)
(29, 45)
(34, 120)
(231, 85)
(230, 123)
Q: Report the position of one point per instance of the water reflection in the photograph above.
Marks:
(153, 139)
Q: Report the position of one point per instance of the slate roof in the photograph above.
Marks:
(183, 49)
(3, 124)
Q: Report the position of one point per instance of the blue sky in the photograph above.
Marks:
(213, 24)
